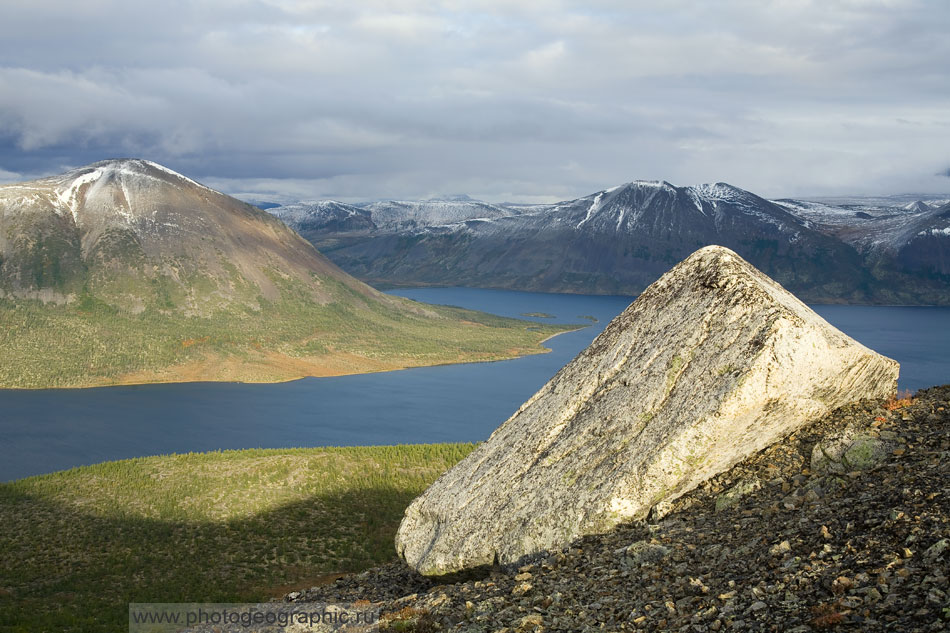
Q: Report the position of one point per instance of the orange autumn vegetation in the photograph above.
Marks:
(902, 399)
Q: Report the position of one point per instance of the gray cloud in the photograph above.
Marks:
(540, 100)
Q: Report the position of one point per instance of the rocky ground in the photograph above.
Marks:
(844, 525)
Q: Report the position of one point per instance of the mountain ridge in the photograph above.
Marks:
(618, 240)
(615, 241)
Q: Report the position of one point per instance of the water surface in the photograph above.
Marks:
(49, 430)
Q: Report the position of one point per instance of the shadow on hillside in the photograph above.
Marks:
(65, 568)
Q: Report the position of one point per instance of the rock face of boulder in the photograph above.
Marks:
(713, 362)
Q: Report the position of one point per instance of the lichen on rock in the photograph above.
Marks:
(847, 452)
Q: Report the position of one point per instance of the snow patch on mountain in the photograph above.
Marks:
(594, 208)
(69, 196)
(69, 191)
(172, 173)
(718, 191)
(696, 198)
(814, 210)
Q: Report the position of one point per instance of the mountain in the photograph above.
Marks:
(312, 219)
(614, 241)
(918, 206)
(927, 251)
(403, 215)
(126, 271)
(137, 235)
(905, 248)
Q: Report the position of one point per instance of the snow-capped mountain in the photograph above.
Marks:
(885, 250)
(397, 215)
(912, 238)
(325, 215)
(867, 227)
(918, 206)
(138, 235)
(617, 240)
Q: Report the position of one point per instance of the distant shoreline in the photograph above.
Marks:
(540, 349)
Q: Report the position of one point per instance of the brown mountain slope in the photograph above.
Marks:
(125, 271)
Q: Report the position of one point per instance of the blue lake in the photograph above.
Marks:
(49, 430)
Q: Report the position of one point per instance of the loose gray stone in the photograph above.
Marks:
(713, 362)
(735, 494)
(847, 452)
(937, 549)
(643, 552)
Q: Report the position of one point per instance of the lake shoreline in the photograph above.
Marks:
(135, 383)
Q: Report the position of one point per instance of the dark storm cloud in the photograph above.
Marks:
(550, 99)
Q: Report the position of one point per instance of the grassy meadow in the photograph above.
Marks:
(236, 526)
(90, 343)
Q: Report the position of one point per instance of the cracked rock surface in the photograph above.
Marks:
(712, 363)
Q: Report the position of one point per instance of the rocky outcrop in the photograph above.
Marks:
(804, 551)
(712, 363)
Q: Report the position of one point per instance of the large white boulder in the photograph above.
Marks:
(713, 362)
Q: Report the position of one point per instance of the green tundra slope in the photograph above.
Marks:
(236, 526)
(124, 272)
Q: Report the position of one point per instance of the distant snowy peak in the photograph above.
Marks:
(918, 206)
(626, 207)
(611, 208)
(634, 189)
(317, 209)
(324, 215)
(641, 185)
(813, 210)
(871, 226)
(649, 189)
(388, 215)
(403, 214)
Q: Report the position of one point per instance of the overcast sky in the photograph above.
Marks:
(517, 100)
